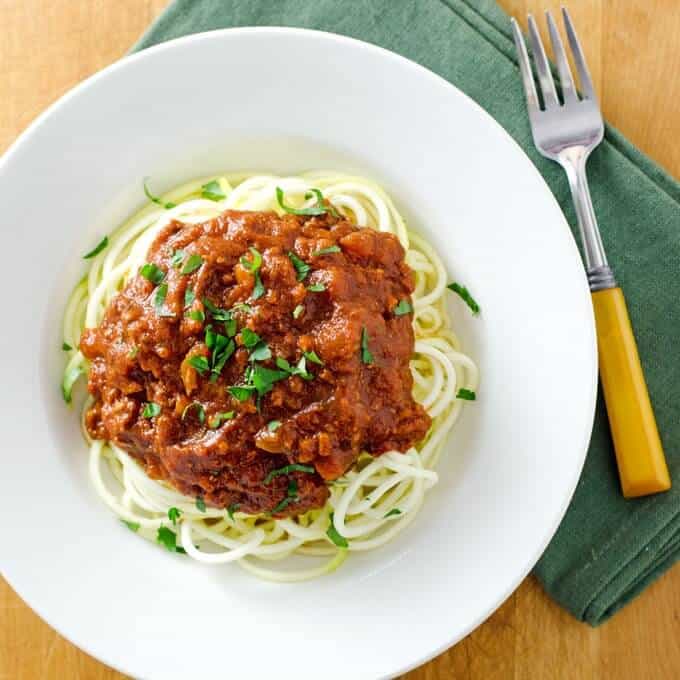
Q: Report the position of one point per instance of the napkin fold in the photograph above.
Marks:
(607, 549)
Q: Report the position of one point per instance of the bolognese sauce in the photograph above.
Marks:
(255, 356)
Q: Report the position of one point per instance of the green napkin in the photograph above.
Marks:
(607, 548)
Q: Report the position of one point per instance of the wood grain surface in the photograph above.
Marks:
(633, 48)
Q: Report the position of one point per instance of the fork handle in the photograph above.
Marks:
(639, 454)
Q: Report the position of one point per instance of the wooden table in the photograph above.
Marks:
(633, 48)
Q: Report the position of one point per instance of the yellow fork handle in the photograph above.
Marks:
(639, 454)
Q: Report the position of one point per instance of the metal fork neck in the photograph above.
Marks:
(573, 160)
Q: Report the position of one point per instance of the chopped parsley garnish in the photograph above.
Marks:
(196, 315)
(159, 300)
(465, 294)
(213, 191)
(232, 509)
(335, 535)
(392, 512)
(273, 425)
(132, 354)
(253, 266)
(468, 395)
(297, 311)
(249, 338)
(261, 352)
(316, 288)
(151, 410)
(327, 251)
(168, 538)
(189, 297)
(242, 307)
(287, 469)
(366, 356)
(200, 363)
(66, 347)
(173, 514)
(263, 379)
(291, 497)
(152, 273)
(222, 348)
(242, 392)
(219, 418)
(155, 199)
(194, 406)
(300, 369)
(132, 526)
(97, 249)
(319, 208)
(200, 504)
(313, 357)
(68, 381)
(404, 307)
(192, 264)
(301, 267)
(177, 258)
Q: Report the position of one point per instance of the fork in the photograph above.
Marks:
(567, 131)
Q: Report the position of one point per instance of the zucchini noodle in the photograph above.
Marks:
(379, 496)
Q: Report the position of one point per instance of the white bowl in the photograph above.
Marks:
(290, 100)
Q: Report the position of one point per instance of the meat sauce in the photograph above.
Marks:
(161, 394)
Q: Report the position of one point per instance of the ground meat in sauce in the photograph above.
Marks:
(140, 354)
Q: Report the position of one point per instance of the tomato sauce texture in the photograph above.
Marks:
(320, 356)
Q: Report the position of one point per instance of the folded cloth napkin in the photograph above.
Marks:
(607, 549)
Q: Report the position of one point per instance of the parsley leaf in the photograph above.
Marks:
(196, 315)
(291, 497)
(173, 514)
(241, 392)
(465, 295)
(318, 209)
(335, 535)
(404, 307)
(159, 300)
(189, 297)
(261, 352)
(192, 264)
(200, 504)
(287, 469)
(132, 354)
(273, 425)
(297, 311)
(97, 249)
(213, 191)
(177, 258)
(392, 513)
(198, 407)
(155, 199)
(232, 509)
(301, 267)
(249, 338)
(263, 379)
(168, 538)
(66, 347)
(200, 363)
(468, 395)
(253, 266)
(151, 410)
(152, 273)
(327, 251)
(313, 357)
(366, 356)
(219, 418)
(132, 526)
(316, 288)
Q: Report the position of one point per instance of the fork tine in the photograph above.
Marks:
(525, 69)
(568, 88)
(579, 59)
(542, 67)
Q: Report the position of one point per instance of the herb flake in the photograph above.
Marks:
(467, 395)
(97, 249)
(287, 469)
(366, 355)
(155, 199)
(465, 295)
(404, 307)
(192, 263)
(213, 191)
(151, 410)
(335, 536)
